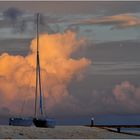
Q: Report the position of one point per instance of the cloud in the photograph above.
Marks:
(128, 96)
(117, 21)
(114, 68)
(17, 73)
(12, 14)
(24, 22)
(123, 98)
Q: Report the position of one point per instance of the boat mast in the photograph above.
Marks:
(38, 77)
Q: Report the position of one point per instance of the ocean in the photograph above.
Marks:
(104, 120)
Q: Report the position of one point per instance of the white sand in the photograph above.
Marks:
(60, 132)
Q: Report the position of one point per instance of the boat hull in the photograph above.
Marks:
(20, 121)
(48, 123)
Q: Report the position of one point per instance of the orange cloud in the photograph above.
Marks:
(117, 21)
(17, 73)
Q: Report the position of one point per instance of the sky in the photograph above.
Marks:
(89, 53)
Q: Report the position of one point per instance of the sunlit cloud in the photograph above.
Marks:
(17, 73)
(128, 96)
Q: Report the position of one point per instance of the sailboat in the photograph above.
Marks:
(41, 121)
(20, 121)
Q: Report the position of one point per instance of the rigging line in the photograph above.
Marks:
(36, 91)
(38, 78)
(47, 89)
(43, 91)
(40, 89)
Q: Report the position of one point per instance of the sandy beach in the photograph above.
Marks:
(71, 132)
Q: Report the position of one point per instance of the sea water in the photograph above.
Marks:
(108, 119)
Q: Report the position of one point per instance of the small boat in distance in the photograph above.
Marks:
(17, 121)
(41, 121)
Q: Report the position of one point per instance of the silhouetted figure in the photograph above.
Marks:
(119, 129)
(92, 122)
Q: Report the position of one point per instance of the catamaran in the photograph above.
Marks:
(20, 121)
(41, 121)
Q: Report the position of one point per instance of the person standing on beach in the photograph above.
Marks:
(92, 121)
